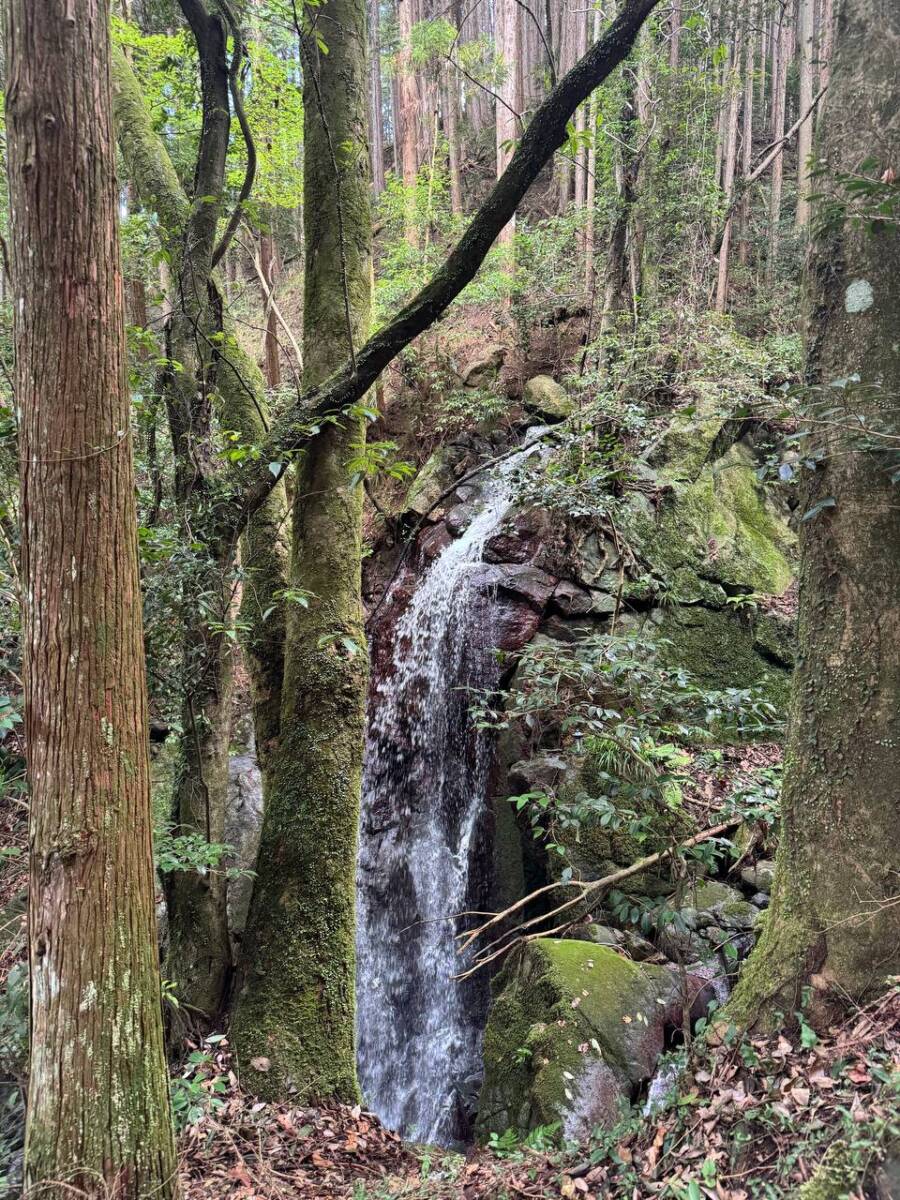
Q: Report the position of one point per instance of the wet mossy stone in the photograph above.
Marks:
(573, 1030)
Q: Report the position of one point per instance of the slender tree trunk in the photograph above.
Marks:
(268, 258)
(675, 36)
(293, 1025)
(98, 1108)
(834, 921)
(509, 102)
(408, 115)
(376, 101)
(783, 47)
(591, 197)
(451, 118)
(806, 52)
(728, 166)
(746, 146)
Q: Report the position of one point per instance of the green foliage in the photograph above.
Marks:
(200, 1089)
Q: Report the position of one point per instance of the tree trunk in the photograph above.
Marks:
(806, 52)
(408, 115)
(508, 38)
(98, 1111)
(783, 48)
(733, 84)
(376, 100)
(746, 146)
(834, 921)
(268, 259)
(296, 1007)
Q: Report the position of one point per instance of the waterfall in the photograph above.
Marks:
(423, 834)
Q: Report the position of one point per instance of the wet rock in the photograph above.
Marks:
(760, 876)
(573, 1031)
(458, 518)
(515, 623)
(434, 541)
(520, 579)
(572, 600)
(543, 773)
(715, 905)
(547, 398)
(483, 370)
(599, 935)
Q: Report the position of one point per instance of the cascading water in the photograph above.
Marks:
(423, 826)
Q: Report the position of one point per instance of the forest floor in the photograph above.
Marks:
(751, 1117)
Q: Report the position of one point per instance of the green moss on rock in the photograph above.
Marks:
(573, 1029)
(718, 648)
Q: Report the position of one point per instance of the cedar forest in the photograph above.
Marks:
(450, 599)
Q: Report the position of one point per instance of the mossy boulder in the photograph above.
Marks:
(680, 452)
(573, 1030)
(546, 398)
(435, 477)
(722, 528)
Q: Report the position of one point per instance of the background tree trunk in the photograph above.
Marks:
(834, 919)
(98, 1112)
(296, 1008)
(806, 53)
(508, 36)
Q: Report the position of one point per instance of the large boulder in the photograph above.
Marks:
(435, 477)
(573, 1031)
(546, 398)
(482, 370)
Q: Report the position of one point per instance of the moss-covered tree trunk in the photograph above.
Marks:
(210, 382)
(98, 1105)
(834, 920)
(295, 1014)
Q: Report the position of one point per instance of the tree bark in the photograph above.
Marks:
(834, 921)
(806, 52)
(733, 83)
(268, 260)
(782, 43)
(508, 37)
(376, 100)
(296, 1006)
(98, 1112)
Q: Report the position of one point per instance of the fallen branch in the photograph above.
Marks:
(586, 889)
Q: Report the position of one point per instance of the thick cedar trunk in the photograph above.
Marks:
(296, 1006)
(451, 128)
(98, 1112)
(834, 921)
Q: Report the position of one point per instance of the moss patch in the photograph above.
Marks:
(718, 648)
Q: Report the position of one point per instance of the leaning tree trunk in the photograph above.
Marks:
(294, 1021)
(98, 1106)
(834, 920)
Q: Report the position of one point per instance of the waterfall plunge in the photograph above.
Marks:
(423, 823)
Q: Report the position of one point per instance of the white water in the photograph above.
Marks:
(422, 830)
